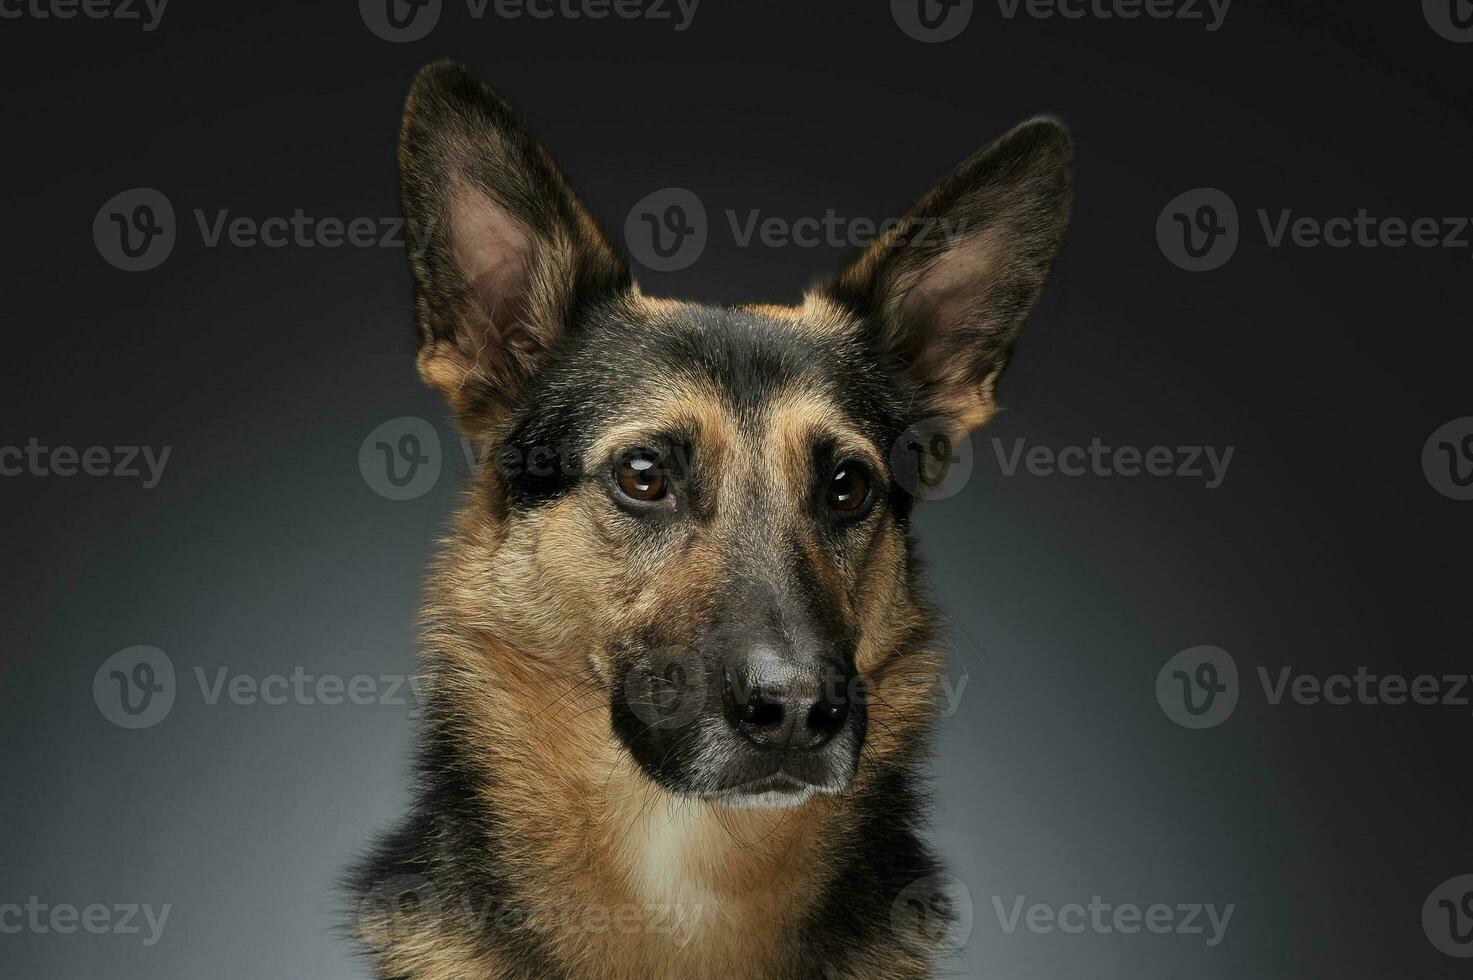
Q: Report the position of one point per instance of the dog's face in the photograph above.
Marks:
(699, 512)
(723, 499)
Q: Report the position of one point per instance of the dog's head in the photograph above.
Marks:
(700, 512)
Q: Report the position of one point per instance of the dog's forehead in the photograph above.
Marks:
(750, 353)
(751, 370)
(642, 350)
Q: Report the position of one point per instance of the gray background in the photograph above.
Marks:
(1059, 777)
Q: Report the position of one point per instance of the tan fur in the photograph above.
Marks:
(520, 613)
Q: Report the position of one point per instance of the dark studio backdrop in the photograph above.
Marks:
(1140, 773)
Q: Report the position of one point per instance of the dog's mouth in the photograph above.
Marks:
(777, 792)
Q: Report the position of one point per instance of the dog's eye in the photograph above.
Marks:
(848, 488)
(640, 477)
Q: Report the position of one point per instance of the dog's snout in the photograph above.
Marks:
(782, 701)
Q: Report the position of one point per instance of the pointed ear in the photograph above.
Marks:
(943, 294)
(504, 256)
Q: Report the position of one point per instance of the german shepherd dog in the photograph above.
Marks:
(681, 676)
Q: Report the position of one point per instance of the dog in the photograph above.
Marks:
(682, 672)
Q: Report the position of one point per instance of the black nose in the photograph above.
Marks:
(780, 702)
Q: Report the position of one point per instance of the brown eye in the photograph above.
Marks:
(849, 488)
(641, 478)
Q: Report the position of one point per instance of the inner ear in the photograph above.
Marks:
(954, 289)
(494, 252)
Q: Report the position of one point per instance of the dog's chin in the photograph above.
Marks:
(779, 792)
(767, 788)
